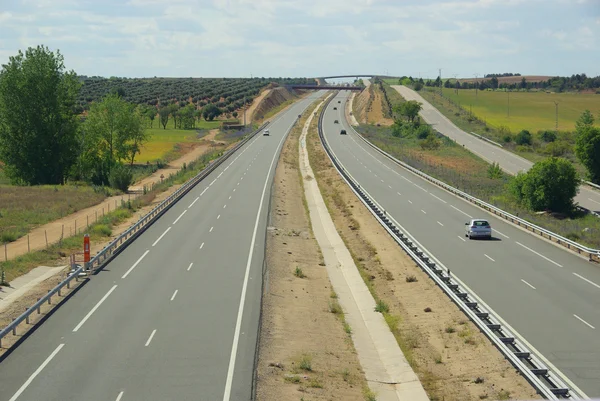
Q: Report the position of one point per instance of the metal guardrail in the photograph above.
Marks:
(593, 254)
(591, 184)
(125, 238)
(541, 377)
(487, 139)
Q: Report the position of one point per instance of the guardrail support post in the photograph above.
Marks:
(27, 317)
(39, 309)
(14, 330)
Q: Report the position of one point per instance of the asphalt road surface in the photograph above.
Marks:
(550, 296)
(588, 198)
(175, 315)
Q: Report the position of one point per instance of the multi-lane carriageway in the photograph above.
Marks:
(549, 296)
(175, 315)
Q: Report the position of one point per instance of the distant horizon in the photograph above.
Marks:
(296, 38)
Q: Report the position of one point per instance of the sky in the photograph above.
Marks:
(308, 38)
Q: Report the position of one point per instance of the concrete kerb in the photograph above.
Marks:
(387, 370)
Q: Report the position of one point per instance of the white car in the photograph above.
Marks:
(266, 132)
(478, 228)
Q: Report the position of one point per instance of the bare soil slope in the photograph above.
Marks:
(304, 351)
(453, 359)
(272, 99)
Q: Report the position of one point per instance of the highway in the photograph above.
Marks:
(588, 198)
(548, 295)
(175, 315)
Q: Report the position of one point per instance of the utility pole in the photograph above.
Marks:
(476, 84)
(508, 103)
(441, 94)
(556, 126)
(455, 84)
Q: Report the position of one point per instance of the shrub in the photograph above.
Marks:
(418, 86)
(423, 132)
(121, 177)
(558, 148)
(430, 143)
(102, 230)
(494, 171)
(523, 138)
(507, 138)
(547, 136)
(549, 185)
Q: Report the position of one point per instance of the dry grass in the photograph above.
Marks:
(24, 208)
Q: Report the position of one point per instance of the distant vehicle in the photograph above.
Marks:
(343, 132)
(478, 228)
(335, 108)
(266, 132)
(336, 122)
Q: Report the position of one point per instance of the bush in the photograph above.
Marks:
(430, 143)
(549, 185)
(418, 86)
(523, 138)
(557, 149)
(547, 136)
(494, 171)
(507, 138)
(121, 177)
(102, 230)
(423, 132)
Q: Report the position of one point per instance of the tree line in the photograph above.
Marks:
(550, 185)
(47, 138)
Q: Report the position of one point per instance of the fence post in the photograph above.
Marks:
(87, 218)
(75, 226)
(28, 248)
(5, 253)
(46, 235)
(96, 216)
(62, 233)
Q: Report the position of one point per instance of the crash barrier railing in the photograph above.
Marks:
(125, 238)
(591, 253)
(530, 365)
(483, 138)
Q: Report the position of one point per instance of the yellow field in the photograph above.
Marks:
(528, 110)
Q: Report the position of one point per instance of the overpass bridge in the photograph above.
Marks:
(326, 87)
(355, 76)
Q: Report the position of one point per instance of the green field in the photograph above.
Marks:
(533, 111)
(163, 141)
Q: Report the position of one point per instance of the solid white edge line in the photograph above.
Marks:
(190, 266)
(119, 396)
(135, 264)
(504, 235)
(585, 279)
(94, 309)
(174, 294)
(539, 254)
(489, 257)
(528, 284)
(238, 324)
(192, 204)
(466, 214)
(37, 372)
(150, 338)
(584, 322)
(180, 216)
(438, 198)
(163, 234)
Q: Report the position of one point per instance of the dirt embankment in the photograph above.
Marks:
(368, 107)
(274, 98)
(453, 359)
(305, 349)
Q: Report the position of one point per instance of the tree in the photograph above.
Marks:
(163, 115)
(114, 132)
(187, 116)
(586, 120)
(150, 112)
(587, 145)
(549, 185)
(210, 112)
(234, 114)
(523, 138)
(38, 126)
(410, 110)
(494, 82)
